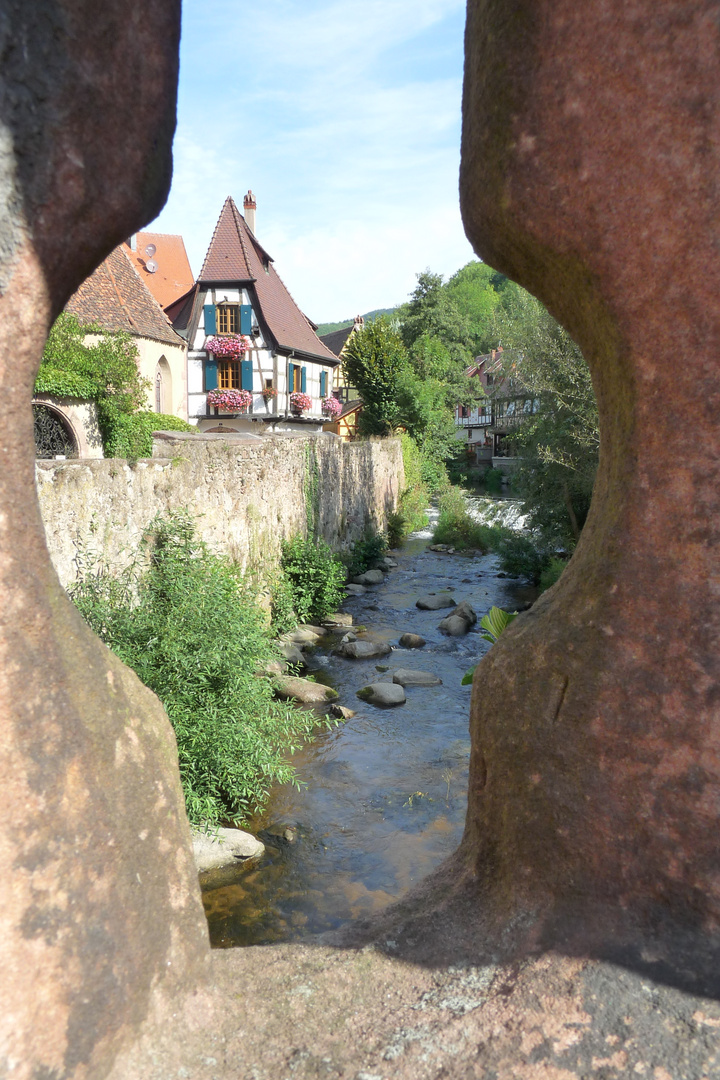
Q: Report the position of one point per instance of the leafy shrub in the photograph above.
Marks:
(315, 577)
(521, 555)
(189, 627)
(365, 553)
(130, 434)
(551, 573)
(457, 527)
(282, 612)
(493, 479)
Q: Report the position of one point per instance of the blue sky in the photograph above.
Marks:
(343, 116)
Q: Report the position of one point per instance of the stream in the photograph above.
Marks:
(385, 791)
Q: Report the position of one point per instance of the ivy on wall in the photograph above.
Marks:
(104, 371)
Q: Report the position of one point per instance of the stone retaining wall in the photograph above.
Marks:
(246, 492)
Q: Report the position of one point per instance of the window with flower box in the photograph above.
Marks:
(229, 374)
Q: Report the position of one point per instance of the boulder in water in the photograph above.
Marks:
(364, 650)
(435, 601)
(224, 847)
(412, 641)
(383, 693)
(466, 612)
(408, 677)
(309, 693)
(370, 577)
(291, 653)
(454, 626)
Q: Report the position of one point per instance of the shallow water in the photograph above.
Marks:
(386, 791)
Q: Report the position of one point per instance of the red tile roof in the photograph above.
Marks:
(235, 256)
(173, 277)
(115, 298)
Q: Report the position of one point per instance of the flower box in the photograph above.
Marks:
(331, 407)
(233, 401)
(299, 402)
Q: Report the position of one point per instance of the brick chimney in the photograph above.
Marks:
(249, 208)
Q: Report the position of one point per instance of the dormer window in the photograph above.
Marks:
(228, 318)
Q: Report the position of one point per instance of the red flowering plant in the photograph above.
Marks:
(331, 407)
(269, 392)
(230, 347)
(300, 401)
(229, 400)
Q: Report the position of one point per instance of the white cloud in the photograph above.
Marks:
(344, 118)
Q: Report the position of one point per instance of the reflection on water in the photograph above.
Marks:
(385, 795)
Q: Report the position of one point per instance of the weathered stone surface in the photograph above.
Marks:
(224, 847)
(309, 693)
(590, 166)
(412, 641)
(355, 590)
(454, 626)
(364, 650)
(376, 1013)
(387, 563)
(370, 577)
(348, 637)
(292, 654)
(100, 916)
(435, 601)
(590, 163)
(302, 636)
(382, 693)
(222, 483)
(408, 677)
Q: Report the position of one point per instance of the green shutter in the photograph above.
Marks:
(303, 380)
(246, 375)
(323, 383)
(291, 378)
(245, 319)
(211, 379)
(210, 324)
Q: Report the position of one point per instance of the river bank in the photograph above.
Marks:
(386, 791)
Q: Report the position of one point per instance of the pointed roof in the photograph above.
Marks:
(115, 298)
(235, 257)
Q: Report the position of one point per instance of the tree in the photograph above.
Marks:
(432, 313)
(374, 359)
(476, 292)
(558, 444)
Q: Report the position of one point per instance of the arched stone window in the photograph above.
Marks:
(163, 386)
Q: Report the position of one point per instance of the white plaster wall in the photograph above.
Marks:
(149, 352)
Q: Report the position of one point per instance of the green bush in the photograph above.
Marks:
(493, 479)
(365, 553)
(314, 577)
(189, 627)
(551, 573)
(457, 528)
(130, 434)
(521, 555)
